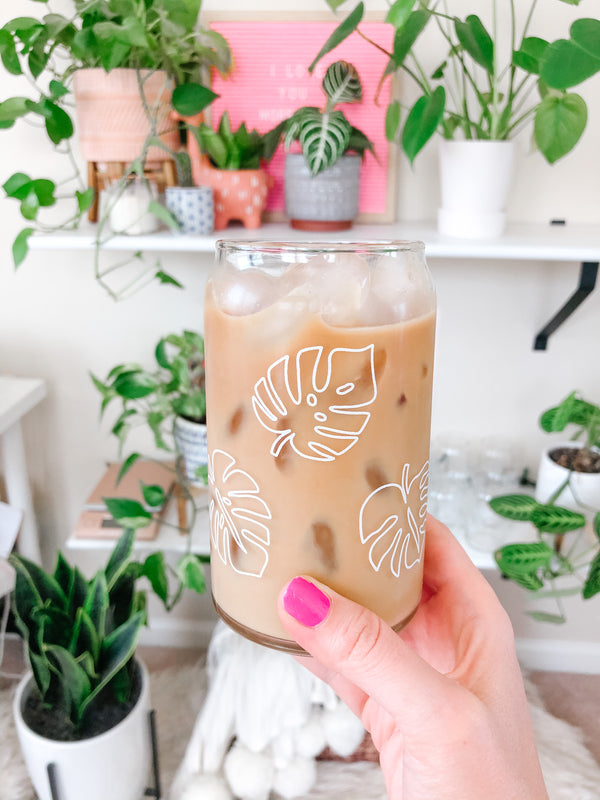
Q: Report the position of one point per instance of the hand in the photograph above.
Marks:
(444, 699)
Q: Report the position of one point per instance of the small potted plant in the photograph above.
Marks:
(322, 181)
(81, 713)
(230, 161)
(566, 502)
(170, 399)
(479, 99)
(144, 58)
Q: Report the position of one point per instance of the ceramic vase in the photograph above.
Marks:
(115, 764)
(192, 207)
(112, 122)
(190, 438)
(475, 179)
(324, 202)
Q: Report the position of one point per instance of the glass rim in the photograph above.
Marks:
(280, 246)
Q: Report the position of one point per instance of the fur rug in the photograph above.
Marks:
(570, 771)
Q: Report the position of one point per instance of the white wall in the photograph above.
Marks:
(56, 323)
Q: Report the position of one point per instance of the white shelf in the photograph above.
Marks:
(536, 242)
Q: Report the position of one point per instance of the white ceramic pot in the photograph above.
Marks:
(190, 438)
(583, 492)
(115, 764)
(475, 178)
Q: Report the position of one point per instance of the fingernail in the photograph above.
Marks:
(305, 602)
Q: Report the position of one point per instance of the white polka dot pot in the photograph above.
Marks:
(192, 207)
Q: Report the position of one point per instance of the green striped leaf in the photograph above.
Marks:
(341, 83)
(514, 506)
(592, 583)
(554, 519)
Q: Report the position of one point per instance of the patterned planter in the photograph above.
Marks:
(190, 438)
(324, 202)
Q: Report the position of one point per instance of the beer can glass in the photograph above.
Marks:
(319, 367)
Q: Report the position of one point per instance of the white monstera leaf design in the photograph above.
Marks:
(239, 517)
(392, 522)
(335, 387)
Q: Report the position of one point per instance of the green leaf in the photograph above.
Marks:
(514, 506)
(154, 568)
(85, 199)
(134, 384)
(192, 98)
(559, 124)
(399, 12)
(74, 681)
(119, 559)
(422, 122)
(406, 36)
(8, 53)
(57, 89)
(201, 473)
(323, 137)
(530, 54)
(586, 34)
(154, 495)
(554, 519)
(85, 638)
(128, 513)
(18, 186)
(592, 583)
(116, 652)
(191, 573)
(476, 41)
(58, 125)
(544, 616)
(126, 465)
(335, 4)
(597, 525)
(20, 246)
(341, 83)
(343, 30)
(163, 214)
(164, 278)
(97, 603)
(520, 562)
(13, 108)
(566, 64)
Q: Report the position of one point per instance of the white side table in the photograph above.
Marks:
(17, 397)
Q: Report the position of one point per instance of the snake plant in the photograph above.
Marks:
(81, 634)
(325, 134)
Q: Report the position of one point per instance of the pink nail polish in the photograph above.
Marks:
(305, 602)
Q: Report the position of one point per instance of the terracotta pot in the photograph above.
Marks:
(112, 122)
(324, 202)
(112, 765)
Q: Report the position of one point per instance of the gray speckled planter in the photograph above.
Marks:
(324, 202)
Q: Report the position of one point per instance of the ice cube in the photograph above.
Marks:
(246, 292)
(402, 285)
(335, 286)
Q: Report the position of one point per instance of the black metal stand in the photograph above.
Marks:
(587, 283)
(152, 791)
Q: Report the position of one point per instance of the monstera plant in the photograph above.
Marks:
(331, 149)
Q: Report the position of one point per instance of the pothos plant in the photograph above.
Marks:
(325, 134)
(476, 91)
(153, 398)
(556, 557)
(46, 50)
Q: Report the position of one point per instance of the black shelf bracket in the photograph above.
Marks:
(588, 275)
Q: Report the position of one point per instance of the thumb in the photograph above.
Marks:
(353, 643)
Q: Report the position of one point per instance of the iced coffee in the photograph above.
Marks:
(319, 364)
